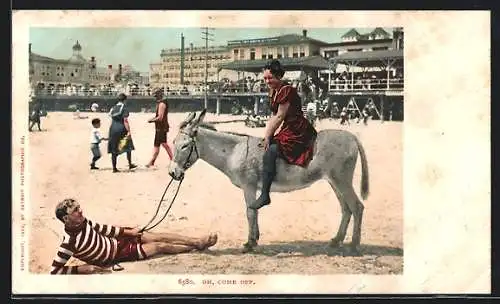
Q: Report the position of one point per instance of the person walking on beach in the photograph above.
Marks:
(95, 140)
(161, 127)
(120, 138)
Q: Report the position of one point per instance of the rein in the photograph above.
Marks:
(187, 164)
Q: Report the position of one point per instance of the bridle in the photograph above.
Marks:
(188, 163)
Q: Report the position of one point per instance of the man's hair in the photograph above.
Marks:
(95, 121)
(62, 208)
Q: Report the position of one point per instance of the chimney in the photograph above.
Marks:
(304, 33)
(29, 48)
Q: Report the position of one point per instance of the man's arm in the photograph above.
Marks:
(161, 112)
(108, 230)
(59, 264)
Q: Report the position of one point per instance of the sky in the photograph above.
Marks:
(138, 47)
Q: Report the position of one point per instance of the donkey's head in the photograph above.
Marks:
(185, 149)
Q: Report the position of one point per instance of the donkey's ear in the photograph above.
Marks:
(201, 116)
(190, 117)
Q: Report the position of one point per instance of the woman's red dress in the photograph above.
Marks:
(296, 136)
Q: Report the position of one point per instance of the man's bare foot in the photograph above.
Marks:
(208, 241)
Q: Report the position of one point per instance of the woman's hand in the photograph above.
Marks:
(265, 143)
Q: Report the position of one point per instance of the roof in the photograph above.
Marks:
(37, 57)
(256, 66)
(278, 40)
(380, 31)
(361, 42)
(77, 58)
(377, 31)
(372, 58)
(351, 33)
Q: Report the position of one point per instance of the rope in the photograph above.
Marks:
(146, 228)
(117, 266)
(159, 205)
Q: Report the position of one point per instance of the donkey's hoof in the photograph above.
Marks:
(247, 247)
(352, 251)
(334, 243)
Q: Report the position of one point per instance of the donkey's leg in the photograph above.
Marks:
(346, 215)
(357, 208)
(250, 194)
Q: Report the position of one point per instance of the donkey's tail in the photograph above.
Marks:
(365, 184)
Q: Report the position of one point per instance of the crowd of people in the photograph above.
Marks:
(110, 89)
(366, 81)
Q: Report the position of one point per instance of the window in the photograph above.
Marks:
(242, 54)
(302, 51)
(252, 54)
(235, 52)
(331, 54)
(264, 53)
(295, 52)
(279, 53)
(285, 52)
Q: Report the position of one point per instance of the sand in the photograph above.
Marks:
(295, 228)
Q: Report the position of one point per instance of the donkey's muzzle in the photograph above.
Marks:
(176, 177)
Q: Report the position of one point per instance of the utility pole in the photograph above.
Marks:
(182, 59)
(206, 37)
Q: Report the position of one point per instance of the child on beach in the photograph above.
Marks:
(95, 140)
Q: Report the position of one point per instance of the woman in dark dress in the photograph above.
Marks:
(118, 131)
(294, 141)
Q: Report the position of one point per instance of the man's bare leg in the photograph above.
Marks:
(156, 151)
(156, 248)
(177, 239)
(169, 151)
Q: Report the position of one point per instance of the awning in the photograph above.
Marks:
(289, 64)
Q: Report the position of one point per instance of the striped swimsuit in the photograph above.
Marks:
(94, 244)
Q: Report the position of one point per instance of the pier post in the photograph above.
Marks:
(218, 106)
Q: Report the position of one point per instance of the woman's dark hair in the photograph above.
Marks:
(275, 67)
(122, 97)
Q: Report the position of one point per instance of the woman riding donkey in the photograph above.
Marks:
(294, 141)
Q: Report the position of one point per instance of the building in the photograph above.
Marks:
(353, 41)
(377, 34)
(285, 46)
(169, 73)
(75, 70)
(155, 74)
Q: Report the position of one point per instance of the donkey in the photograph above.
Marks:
(239, 157)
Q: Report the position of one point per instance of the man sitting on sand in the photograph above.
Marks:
(102, 246)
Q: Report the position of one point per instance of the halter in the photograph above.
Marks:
(194, 148)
